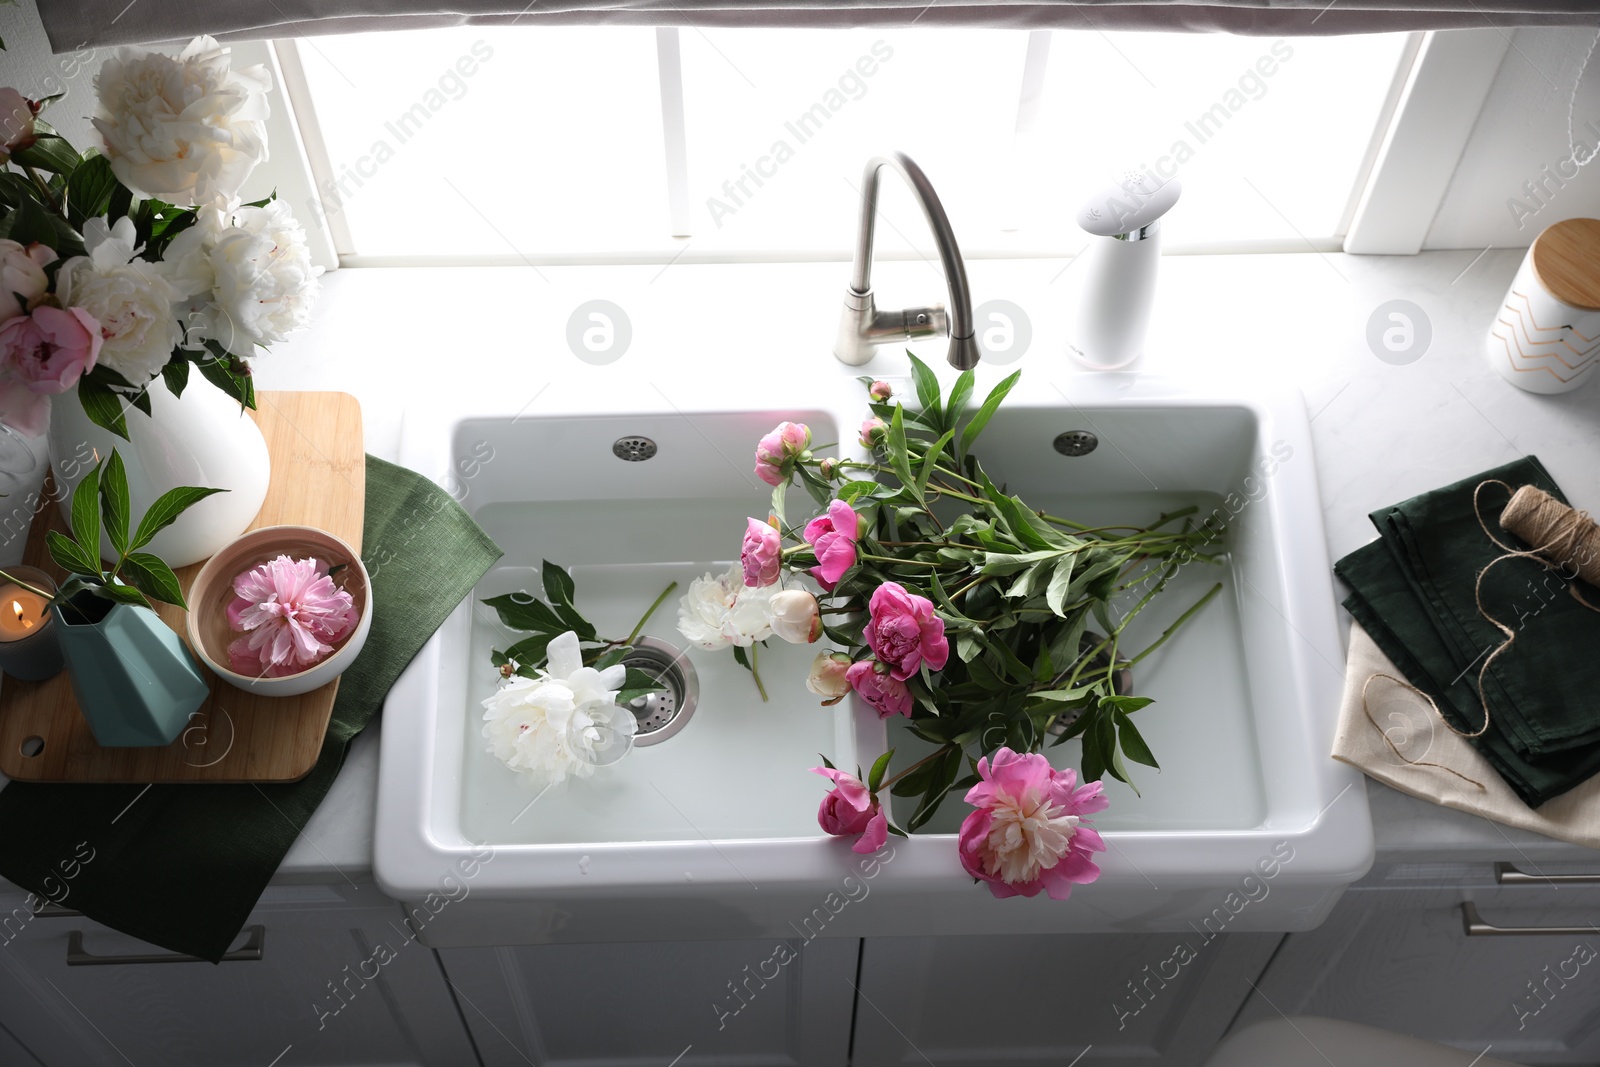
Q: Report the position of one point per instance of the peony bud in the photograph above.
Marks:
(827, 678)
(881, 390)
(872, 431)
(796, 617)
(17, 113)
(829, 469)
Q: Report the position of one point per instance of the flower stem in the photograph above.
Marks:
(25, 585)
(755, 669)
(1181, 619)
(935, 754)
(649, 612)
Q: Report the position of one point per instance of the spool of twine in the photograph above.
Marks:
(1559, 534)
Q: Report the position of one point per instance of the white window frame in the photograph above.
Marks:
(1438, 91)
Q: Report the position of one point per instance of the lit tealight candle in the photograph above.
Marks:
(28, 646)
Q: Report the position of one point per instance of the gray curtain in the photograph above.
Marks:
(80, 23)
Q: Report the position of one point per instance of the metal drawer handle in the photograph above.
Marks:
(252, 949)
(1476, 927)
(1507, 874)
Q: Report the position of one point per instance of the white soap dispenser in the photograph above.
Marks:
(1116, 283)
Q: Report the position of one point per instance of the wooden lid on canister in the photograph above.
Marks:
(1566, 260)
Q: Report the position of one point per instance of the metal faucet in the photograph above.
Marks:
(862, 327)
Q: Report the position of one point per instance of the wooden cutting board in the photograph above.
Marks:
(318, 479)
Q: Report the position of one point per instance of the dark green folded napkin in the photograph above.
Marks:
(1413, 590)
(183, 867)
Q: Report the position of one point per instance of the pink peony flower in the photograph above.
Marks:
(872, 431)
(776, 453)
(1028, 832)
(850, 809)
(827, 678)
(40, 354)
(17, 114)
(873, 683)
(22, 277)
(904, 632)
(760, 555)
(880, 390)
(833, 538)
(291, 613)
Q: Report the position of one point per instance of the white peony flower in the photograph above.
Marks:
(130, 298)
(182, 130)
(561, 724)
(720, 611)
(248, 273)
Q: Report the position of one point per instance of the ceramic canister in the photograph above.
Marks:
(1546, 334)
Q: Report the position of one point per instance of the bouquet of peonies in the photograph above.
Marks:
(138, 260)
(958, 606)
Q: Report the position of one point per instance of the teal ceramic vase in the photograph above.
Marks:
(135, 680)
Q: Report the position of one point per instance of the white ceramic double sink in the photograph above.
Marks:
(713, 832)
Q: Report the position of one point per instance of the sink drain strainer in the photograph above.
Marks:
(664, 713)
(1121, 681)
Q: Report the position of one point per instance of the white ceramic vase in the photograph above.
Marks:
(201, 438)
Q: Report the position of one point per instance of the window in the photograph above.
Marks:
(617, 142)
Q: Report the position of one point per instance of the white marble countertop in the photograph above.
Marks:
(1382, 432)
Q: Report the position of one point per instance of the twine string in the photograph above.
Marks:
(1403, 684)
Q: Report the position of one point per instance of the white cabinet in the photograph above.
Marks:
(1083, 999)
(337, 984)
(691, 1004)
(1401, 959)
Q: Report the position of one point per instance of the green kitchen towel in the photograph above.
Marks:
(182, 866)
(1413, 591)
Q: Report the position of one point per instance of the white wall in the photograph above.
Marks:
(1523, 127)
(27, 66)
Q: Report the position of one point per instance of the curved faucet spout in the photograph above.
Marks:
(863, 327)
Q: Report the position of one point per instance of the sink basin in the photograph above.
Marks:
(712, 832)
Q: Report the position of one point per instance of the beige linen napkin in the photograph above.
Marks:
(1431, 752)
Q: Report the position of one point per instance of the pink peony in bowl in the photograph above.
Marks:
(212, 595)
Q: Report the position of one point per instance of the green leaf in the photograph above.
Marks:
(610, 659)
(125, 594)
(69, 556)
(640, 682)
(558, 585)
(879, 768)
(960, 393)
(228, 373)
(89, 189)
(176, 375)
(114, 503)
(949, 768)
(166, 509)
(930, 460)
(1094, 763)
(530, 651)
(1126, 705)
(826, 762)
(50, 152)
(152, 577)
(141, 400)
(1132, 741)
(991, 404)
(522, 611)
(1063, 696)
(927, 389)
(899, 458)
(1055, 593)
(103, 406)
(86, 512)
(30, 222)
